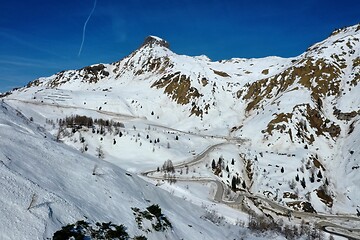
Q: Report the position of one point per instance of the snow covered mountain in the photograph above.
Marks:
(286, 129)
(46, 185)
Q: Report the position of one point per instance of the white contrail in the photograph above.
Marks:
(83, 36)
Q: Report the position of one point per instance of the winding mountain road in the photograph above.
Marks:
(127, 116)
(322, 221)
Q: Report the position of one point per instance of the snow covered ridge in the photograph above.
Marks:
(283, 130)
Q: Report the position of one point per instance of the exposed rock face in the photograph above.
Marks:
(152, 40)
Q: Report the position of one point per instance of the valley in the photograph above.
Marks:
(272, 137)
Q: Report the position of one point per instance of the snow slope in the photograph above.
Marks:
(292, 122)
(33, 163)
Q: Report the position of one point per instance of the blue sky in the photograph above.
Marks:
(42, 37)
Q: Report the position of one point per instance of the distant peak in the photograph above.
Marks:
(153, 40)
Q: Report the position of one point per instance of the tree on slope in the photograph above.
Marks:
(100, 153)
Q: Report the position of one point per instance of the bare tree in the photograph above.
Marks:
(100, 153)
(59, 133)
(292, 184)
(168, 166)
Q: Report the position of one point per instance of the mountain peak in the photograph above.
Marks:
(352, 29)
(154, 40)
